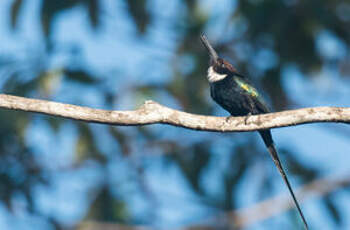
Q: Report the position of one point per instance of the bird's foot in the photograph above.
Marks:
(246, 118)
(229, 118)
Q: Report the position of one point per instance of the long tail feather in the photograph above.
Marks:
(266, 135)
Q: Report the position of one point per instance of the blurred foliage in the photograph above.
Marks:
(140, 14)
(285, 29)
(51, 9)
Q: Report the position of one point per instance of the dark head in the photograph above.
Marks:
(219, 68)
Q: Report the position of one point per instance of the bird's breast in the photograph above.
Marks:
(228, 95)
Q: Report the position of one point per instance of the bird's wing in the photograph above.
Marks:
(253, 98)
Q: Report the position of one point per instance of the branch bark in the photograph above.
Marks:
(153, 113)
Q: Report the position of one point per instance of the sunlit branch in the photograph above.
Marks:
(153, 113)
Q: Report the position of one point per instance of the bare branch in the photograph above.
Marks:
(276, 205)
(153, 113)
(242, 218)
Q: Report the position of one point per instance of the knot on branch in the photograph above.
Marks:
(149, 106)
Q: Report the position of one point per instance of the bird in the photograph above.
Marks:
(237, 95)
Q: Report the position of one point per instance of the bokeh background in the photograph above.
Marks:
(110, 54)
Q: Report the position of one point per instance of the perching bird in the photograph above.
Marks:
(235, 93)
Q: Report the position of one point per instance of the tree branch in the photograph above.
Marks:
(244, 217)
(271, 207)
(153, 113)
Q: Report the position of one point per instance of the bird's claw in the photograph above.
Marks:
(228, 118)
(246, 118)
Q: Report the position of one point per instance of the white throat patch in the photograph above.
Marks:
(214, 76)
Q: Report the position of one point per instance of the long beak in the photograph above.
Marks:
(212, 53)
